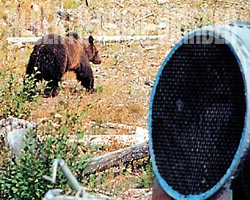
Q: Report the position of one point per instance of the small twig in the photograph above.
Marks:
(141, 43)
(118, 3)
(42, 19)
(144, 17)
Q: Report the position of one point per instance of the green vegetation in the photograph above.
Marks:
(13, 99)
(21, 177)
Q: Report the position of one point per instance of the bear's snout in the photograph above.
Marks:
(97, 61)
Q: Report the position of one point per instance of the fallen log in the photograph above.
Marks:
(104, 140)
(140, 136)
(104, 39)
(115, 158)
(112, 125)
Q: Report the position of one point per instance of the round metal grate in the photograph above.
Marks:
(197, 116)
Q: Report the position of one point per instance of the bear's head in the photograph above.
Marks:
(92, 52)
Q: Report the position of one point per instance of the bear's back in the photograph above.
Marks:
(66, 50)
(74, 51)
(52, 44)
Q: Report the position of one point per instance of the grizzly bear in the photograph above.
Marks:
(53, 55)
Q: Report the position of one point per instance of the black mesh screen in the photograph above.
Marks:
(197, 116)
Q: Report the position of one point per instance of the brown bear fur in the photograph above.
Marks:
(53, 55)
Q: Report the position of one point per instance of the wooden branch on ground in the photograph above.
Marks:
(115, 158)
(112, 125)
(23, 40)
(109, 139)
(104, 39)
(141, 135)
(144, 17)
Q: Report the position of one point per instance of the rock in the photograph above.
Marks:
(14, 123)
(59, 116)
(16, 140)
(141, 134)
(14, 134)
(149, 83)
(162, 25)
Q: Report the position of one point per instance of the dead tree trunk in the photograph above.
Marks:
(115, 158)
(103, 39)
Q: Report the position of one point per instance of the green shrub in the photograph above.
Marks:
(14, 96)
(147, 178)
(21, 178)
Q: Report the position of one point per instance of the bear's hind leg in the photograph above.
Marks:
(32, 76)
(53, 73)
(51, 89)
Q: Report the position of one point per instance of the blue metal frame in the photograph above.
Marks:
(238, 40)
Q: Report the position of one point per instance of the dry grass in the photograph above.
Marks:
(122, 96)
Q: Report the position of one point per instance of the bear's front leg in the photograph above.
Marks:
(84, 74)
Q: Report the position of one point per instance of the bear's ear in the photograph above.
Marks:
(91, 40)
